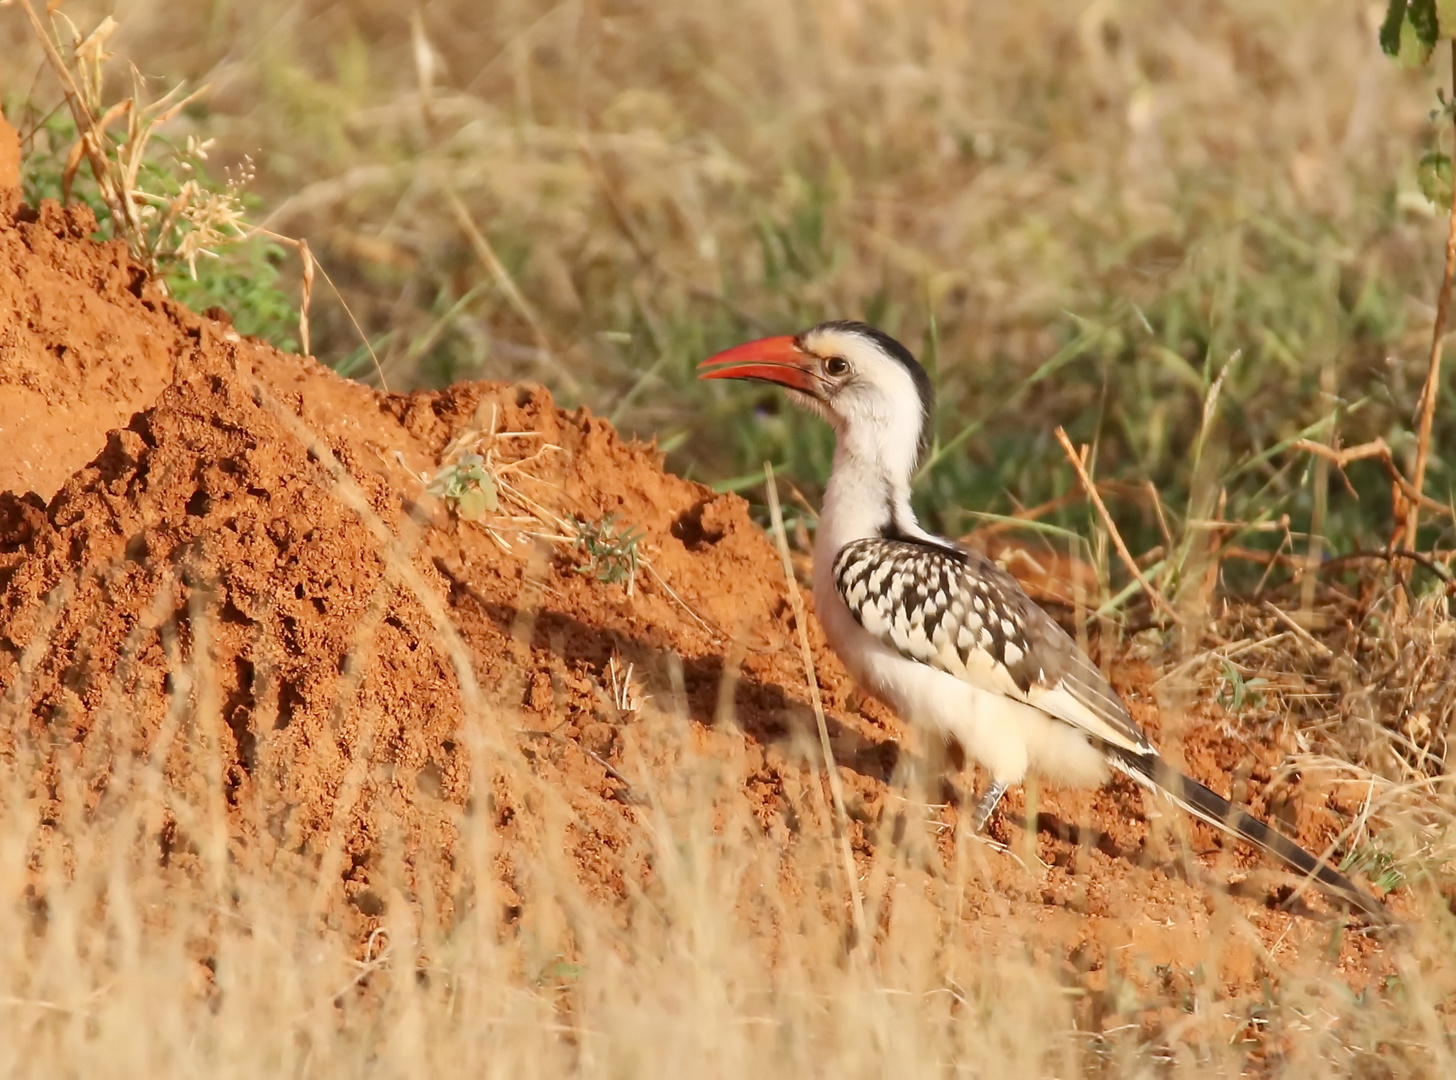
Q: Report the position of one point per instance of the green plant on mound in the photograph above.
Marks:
(154, 192)
(244, 280)
(610, 550)
(467, 487)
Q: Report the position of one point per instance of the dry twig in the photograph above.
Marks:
(1117, 541)
(1433, 370)
(1428, 560)
(1375, 448)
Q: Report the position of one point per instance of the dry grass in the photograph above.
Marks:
(1360, 686)
(726, 959)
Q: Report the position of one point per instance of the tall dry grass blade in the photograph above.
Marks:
(1431, 389)
(311, 265)
(488, 257)
(1122, 550)
(806, 654)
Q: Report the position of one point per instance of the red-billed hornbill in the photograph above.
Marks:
(944, 636)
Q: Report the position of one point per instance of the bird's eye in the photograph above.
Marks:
(836, 366)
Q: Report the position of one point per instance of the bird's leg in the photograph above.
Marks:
(987, 804)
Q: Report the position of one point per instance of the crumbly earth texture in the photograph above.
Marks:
(192, 515)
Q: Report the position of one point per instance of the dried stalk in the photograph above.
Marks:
(309, 266)
(92, 132)
(806, 655)
(1123, 553)
(115, 167)
(1433, 369)
(1375, 448)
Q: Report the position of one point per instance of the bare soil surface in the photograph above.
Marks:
(188, 512)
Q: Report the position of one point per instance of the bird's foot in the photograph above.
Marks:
(987, 804)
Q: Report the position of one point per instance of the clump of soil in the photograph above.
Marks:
(9, 155)
(190, 513)
(85, 341)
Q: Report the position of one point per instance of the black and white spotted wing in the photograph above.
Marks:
(957, 611)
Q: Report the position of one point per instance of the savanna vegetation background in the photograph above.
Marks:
(1200, 235)
(1077, 215)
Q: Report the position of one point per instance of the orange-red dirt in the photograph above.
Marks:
(9, 155)
(190, 513)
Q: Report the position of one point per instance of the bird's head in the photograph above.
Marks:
(862, 381)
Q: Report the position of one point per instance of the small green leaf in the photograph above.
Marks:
(1390, 29)
(1421, 15)
(560, 969)
(1434, 174)
(1409, 30)
(1413, 51)
(471, 505)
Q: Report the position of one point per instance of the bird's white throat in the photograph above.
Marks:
(867, 495)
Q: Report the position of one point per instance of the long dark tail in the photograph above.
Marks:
(1155, 773)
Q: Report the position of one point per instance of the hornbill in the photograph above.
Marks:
(940, 633)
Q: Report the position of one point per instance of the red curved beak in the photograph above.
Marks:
(772, 359)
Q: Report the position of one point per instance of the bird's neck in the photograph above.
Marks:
(867, 495)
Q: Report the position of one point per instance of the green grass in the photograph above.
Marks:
(243, 277)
